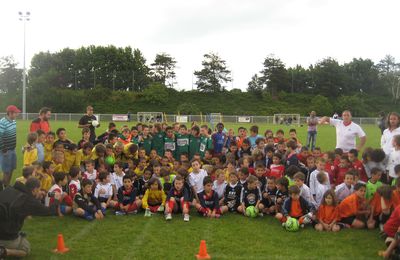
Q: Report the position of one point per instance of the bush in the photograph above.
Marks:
(321, 105)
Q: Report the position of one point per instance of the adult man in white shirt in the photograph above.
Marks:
(346, 132)
(393, 128)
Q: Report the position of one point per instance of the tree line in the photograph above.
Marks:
(110, 68)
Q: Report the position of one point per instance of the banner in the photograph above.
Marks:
(181, 119)
(244, 119)
(121, 118)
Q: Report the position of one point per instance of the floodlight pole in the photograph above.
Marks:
(24, 17)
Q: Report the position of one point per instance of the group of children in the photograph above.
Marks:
(171, 169)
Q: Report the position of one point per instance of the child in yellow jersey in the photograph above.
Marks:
(48, 146)
(27, 172)
(30, 150)
(47, 180)
(154, 198)
(58, 160)
(230, 166)
(131, 151)
(84, 154)
(140, 169)
(70, 158)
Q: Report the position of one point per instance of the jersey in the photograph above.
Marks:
(196, 180)
(158, 143)
(218, 140)
(232, 196)
(146, 143)
(205, 144)
(49, 200)
(371, 189)
(126, 196)
(250, 197)
(178, 195)
(106, 188)
(182, 145)
(117, 180)
(74, 188)
(209, 201)
(194, 145)
(270, 200)
(169, 144)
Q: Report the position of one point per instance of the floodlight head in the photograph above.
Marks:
(20, 13)
(28, 13)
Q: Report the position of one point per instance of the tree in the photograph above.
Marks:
(163, 69)
(362, 76)
(274, 75)
(10, 75)
(329, 78)
(389, 73)
(155, 93)
(321, 105)
(214, 74)
(255, 86)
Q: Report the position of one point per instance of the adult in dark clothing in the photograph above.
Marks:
(86, 121)
(16, 203)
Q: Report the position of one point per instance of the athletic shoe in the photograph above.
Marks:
(160, 209)
(186, 218)
(89, 217)
(302, 225)
(260, 214)
(168, 216)
(147, 213)
(217, 215)
(119, 213)
(307, 220)
(283, 224)
(132, 212)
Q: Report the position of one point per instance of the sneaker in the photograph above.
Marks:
(160, 209)
(307, 220)
(89, 217)
(168, 216)
(302, 225)
(283, 224)
(217, 215)
(186, 218)
(260, 214)
(147, 213)
(119, 213)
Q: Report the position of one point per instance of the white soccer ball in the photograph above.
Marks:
(95, 123)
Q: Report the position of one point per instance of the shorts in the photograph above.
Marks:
(63, 209)
(20, 243)
(8, 161)
(348, 220)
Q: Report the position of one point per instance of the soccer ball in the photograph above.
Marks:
(110, 160)
(251, 211)
(292, 224)
(95, 123)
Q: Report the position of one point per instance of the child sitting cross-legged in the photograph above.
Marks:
(251, 196)
(60, 180)
(104, 191)
(86, 205)
(296, 207)
(328, 213)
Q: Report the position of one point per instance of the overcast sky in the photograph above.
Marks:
(241, 32)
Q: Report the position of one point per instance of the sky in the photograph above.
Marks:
(242, 32)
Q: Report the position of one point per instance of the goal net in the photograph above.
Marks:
(150, 117)
(286, 119)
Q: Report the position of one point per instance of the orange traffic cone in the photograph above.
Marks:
(203, 251)
(61, 249)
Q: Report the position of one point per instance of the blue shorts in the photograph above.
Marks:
(8, 161)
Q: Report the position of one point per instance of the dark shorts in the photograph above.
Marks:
(8, 161)
(20, 243)
(348, 220)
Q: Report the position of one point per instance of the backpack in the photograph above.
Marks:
(11, 201)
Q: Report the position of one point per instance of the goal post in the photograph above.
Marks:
(150, 117)
(286, 119)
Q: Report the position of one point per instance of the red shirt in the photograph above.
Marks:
(393, 224)
(38, 123)
(358, 165)
(339, 175)
(330, 169)
(276, 171)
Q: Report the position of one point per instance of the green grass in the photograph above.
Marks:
(231, 237)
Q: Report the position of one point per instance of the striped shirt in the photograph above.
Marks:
(8, 134)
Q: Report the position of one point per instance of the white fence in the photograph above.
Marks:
(198, 118)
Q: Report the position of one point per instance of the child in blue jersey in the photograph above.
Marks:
(128, 199)
(208, 205)
(178, 199)
(219, 139)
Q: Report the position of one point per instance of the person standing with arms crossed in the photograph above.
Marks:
(86, 121)
(312, 122)
(346, 132)
(8, 142)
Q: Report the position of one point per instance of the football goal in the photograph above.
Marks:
(286, 119)
(150, 117)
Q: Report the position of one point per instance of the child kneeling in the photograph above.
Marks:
(178, 200)
(86, 205)
(296, 207)
(208, 205)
